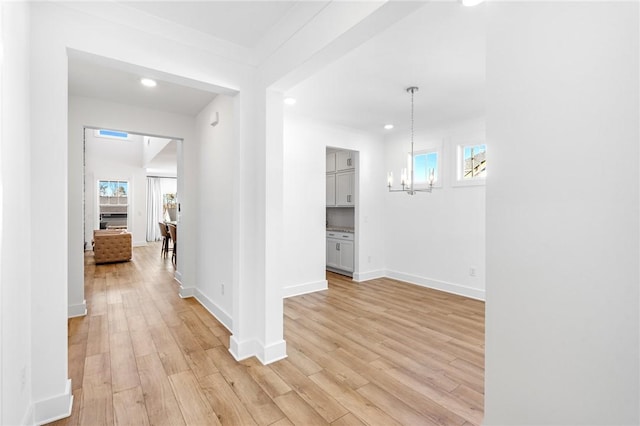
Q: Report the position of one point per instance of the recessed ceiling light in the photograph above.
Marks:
(388, 126)
(147, 82)
(290, 101)
(471, 3)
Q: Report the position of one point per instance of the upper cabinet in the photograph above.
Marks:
(344, 161)
(331, 189)
(341, 179)
(345, 189)
(331, 162)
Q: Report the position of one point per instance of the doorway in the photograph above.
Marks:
(118, 166)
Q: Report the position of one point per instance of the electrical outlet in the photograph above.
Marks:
(472, 271)
(222, 287)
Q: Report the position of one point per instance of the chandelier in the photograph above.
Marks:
(407, 180)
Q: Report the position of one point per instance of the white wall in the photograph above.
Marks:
(305, 144)
(428, 239)
(562, 325)
(15, 218)
(151, 147)
(111, 159)
(215, 211)
(434, 239)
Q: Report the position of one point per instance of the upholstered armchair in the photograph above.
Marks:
(111, 246)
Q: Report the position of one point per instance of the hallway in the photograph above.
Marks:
(378, 353)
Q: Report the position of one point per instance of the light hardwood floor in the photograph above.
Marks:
(378, 353)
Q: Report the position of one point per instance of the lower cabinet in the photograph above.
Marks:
(340, 251)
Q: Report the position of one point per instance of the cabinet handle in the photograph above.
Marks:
(348, 161)
(337, 246)
(348, 198)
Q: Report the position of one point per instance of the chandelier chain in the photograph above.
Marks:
(412, 123)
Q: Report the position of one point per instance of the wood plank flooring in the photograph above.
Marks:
(376, 353)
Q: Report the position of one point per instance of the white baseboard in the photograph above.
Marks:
(214, 309)
(265, 353)
(78, 310)
(273, 352)
(297, 290)
(177, 275)
(458, 289)
(56, 408)
(186, 292)
(139, 244)
(369, 275)
(243, 350)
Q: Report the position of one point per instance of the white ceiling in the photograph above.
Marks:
(440, 48)
(166, 161)
(97, 80)
(241, 22)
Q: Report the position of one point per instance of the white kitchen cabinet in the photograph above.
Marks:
(344, 161)
(333, 260)
(345, 189)
(345, 256)
(331, 162)
(340, 253)
(331, 190)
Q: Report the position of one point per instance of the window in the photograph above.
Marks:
(113, 203)
(471, 164)
(111, 134)
(426, 167)
(113, 192)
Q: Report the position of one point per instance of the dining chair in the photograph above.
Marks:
(173, 231)
(165, 238)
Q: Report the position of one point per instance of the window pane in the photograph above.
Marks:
(475, 162)
(112, 189)
(122, 189)
(423, 165)
(113, 192)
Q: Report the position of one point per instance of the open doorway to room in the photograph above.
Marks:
(104, 93)
(341, 205)
(130, 183)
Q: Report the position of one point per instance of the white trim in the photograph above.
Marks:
(78, 310)
(243, 350)
(215, 310)
(56, 408)
(28, 416)
(139, 244)
(273, 352)
(299, 289)
(473, 293)
(266, 354)
(177, 275)
(186, 292)
(370, 275)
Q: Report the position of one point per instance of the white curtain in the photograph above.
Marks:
(154, 208)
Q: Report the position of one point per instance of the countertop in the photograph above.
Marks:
(340, 229)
